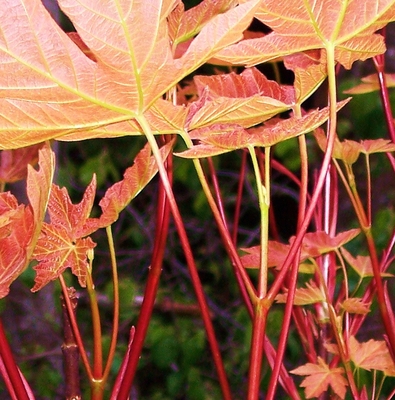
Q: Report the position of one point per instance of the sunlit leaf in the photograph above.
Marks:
(317, 243)
(347, 151)
(310, 294)
(348, 27)
(61, 243)
(217, 142)
(55, 252)
(355, 305)
(377, 146)
(310, 71)
(119, 195)
(184, 25)
(373, 354)
(52, 87)
(319, 377)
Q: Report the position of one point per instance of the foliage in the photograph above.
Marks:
(141, 69)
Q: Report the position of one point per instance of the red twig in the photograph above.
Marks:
(13, 373)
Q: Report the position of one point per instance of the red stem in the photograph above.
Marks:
(217, 192)
(151, 289)
(11, 367)
(379, 62)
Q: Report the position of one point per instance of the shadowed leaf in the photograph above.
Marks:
(20, 225)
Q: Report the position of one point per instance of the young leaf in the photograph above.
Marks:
(184, 25)
(16, 231)
(119, 195)
(348, 26)
(20, 225)
(355, 306)
(61, 244)
(371, 83)
(246, 99)
(311, 294)
(319, 377)
(372, 354)
(51, 88)
(317, 243)
(347, 151)
(362, 265)
(13, 163)
(215, 142)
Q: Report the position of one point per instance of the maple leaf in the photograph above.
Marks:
(348, 27)
(61, 243)
(309, 69)
(362, 265)
(218, 141)
(317, 243)
(313, 245)
(349, 150)
(119, 195)
(355, 305)
(319, 377)
(311, 294)
(13, 163)
(372, 354)
(371, 83)
(246, 99)
(51, 88)
(20, 225)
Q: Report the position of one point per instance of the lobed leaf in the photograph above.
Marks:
(319, 377)
(215, 141)
(355, 305)
(312, 25)
(310, 294)
(61, 244)
(371, 83)
(372, 354)
(119, 195)
(20, 225)
(52, 87)
(13, 163)
(362, 265)
(317, 243)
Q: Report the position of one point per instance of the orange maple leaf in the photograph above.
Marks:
(347, 28)
(372, 354)
(97, 84)
(62, 243)
(319, 377)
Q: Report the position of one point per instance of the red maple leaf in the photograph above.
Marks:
(19, 224)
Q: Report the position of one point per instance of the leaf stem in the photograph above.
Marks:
(226, 237)
(129, 366)
(10, 366)
(115, 323)
(123, 394)
(96, 382)
(76, 330)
